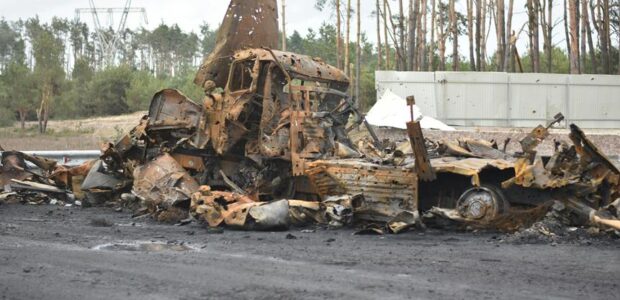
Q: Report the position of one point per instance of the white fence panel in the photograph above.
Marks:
(401, 83)
(509, 99)
(470, 99)
(594, 101)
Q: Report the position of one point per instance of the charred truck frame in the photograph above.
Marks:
(278, 130)
(277, 110)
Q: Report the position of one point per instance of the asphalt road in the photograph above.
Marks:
(49, 252)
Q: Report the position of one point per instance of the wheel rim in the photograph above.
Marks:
(480, 203)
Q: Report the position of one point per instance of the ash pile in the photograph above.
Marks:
(268, 147)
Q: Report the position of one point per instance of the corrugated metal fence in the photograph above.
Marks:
(509, 99)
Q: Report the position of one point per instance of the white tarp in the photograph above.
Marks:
(392, 111)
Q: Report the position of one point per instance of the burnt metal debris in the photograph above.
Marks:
(268, 148)
(159, 166)
(32, 179)
(247, 24)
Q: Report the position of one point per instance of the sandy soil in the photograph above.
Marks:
(56, 253)
(86, 134)
(89, 134)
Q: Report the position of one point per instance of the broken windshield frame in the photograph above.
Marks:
(246, 80)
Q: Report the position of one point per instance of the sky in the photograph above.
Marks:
(190, 14)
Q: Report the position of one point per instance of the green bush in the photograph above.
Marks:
(141, 90)
(107, 93)
(7, 117)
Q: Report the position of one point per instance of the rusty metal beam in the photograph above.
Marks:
(416, 137)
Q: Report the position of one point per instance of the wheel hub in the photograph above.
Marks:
(480, 203)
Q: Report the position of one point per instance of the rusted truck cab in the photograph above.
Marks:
(277, 111)
(277, 105)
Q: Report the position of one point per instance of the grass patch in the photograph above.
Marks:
(33, 131)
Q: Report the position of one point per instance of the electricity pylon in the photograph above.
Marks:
(108, 37)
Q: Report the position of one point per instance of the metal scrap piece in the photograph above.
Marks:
(238, 211)
(170, 109)
(470, 167)
(12, 166)
(339, 209)
(386, 190)
(163, 183)
(532, 140)
(216, 207)
(588, 152)
(100, 178)
(34, 186)
(43, 163)
(247, 24)
(453, 149)
(303, 213)
(63, 176)
(537, 136)
(269, 216)
(403, 221)
(416, 137)
(483, 149)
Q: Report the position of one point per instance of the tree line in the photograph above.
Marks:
(56, 69)
(424, 35)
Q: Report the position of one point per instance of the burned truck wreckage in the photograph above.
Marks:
(272, 150)
(268, 148)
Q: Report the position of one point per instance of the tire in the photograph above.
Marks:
(484, 203)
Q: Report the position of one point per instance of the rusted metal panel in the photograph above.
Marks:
(297, 65)
(470, 167)
(170, 109)
(422, 166)
(309, 140)
(163, 184)
(63, 176)
(296, 140)
(13, 166)
(588, 151)
(386, 190)
(216, 207)
(416, 138)
(247, 24)
(190, 162)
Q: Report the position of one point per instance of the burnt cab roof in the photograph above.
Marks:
(296, 65)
